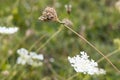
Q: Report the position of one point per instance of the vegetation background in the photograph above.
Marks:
(97, 20)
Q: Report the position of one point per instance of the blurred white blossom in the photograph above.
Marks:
(68, 8)
(117, 5)
(33, 55)
(30, 58)
(5, 72)
(81, 63)
(10, 30)
(51, 59)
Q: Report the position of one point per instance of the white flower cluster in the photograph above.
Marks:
(117, 5)
(11, 30)
(81, 63)
(30, 58)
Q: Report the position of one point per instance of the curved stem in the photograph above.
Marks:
(108, 55)
(93, 47)
(33, 45)
(1, 36)
(13, 72)
(49, 39)
(54, 72)
(70, 78)
(15, 48)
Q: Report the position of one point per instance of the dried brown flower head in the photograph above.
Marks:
(29, 32)
(67, 22)
(49, 14)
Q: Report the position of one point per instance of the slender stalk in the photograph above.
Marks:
(54, 72)
(14, 72)
(93, 47)
(108, 55)
(33, 45)
(70, 78)
(21, 42)
(49, 39)
(21, 75)
(15, 48)
(1, 36)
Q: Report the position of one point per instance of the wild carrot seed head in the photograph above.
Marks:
(67, 22)
(49, 14)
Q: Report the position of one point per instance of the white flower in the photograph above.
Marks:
(51, 59)
(30, 58)
(5, 72)
(117, 5)
(22, 51)
(23, 60)
(35, 63)
(81, 63)
(35, 56)
(10, 30)
(24, 57)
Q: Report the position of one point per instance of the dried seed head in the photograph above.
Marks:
(29, 32)
(49, 14)
(67, 22)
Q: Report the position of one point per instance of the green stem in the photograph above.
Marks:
(70, 78)
(21, 42)
(93, 47)
(36, 42)
(14, 50)
(21, 75)
(14, 72)
(49, 39)
(54, 72)
(108, 55)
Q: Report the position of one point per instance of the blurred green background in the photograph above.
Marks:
(97, 20)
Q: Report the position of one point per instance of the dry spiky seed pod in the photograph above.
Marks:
(67, 22)
(49, 14)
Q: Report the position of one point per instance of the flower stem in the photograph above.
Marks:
(33, 45)
(70, 78)
(13, 72)
(108, 55)
(49, 39)
(93, 47)
(54, 72)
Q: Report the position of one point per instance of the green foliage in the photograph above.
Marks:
(97, 20)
